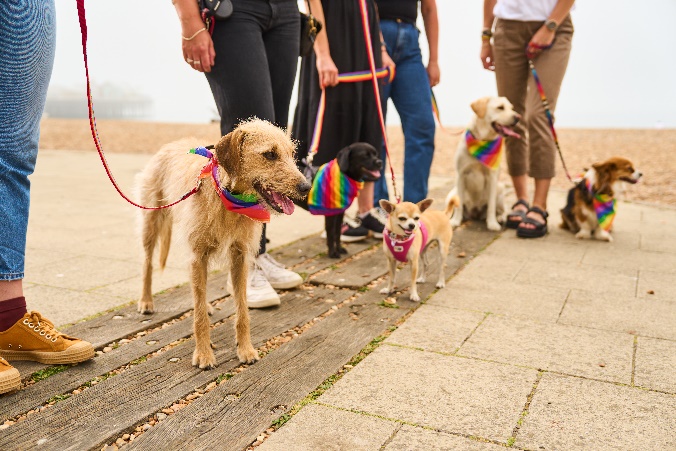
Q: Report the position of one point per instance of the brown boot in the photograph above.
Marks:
(9, 377)
(35, 338)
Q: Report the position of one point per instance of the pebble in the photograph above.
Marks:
(161, 416)
(119, 442)
(151, 342)
(174, 359)
(107, 349)
(167, 411)
(124, 340)
(146, 427)
(462, 255)
(77, 392)
(125, 437)
(261, 437)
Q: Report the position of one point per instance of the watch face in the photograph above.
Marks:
(551, 25)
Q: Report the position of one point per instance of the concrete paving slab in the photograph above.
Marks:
(658, 216)
(63, 306)
(570, 413)
(324, 428)
(491, 267)
(572, 350)
(656, 364)
(570, 252)
(413, 438)
(434, 328)
(612, 257)
(507, 298)
(642, 316)
(446, 393)
(656, 285)
(593, 278)
(660, 240)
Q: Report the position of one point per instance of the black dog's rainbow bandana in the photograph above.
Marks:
(332, 191)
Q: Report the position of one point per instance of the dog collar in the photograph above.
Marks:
(247, 205)
(487, 152)
(604, 207)
(399, 248)
(332, 191)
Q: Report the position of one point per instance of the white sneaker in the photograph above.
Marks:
(259, 292)
(279, 277)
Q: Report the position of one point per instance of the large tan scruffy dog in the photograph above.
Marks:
(256, 158)
(410, 228)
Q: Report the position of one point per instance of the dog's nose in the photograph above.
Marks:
(640, 174)
(379, 163)
(517, 118)
(304, 187)
(411, 226)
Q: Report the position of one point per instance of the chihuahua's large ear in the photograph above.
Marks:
(386, 205)
(424, 204)
(229, 151)
(604, 177)
(480, 106)
(343, 159)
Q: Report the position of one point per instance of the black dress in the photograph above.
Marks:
(351, 113)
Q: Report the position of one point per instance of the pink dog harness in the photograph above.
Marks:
(399, 248)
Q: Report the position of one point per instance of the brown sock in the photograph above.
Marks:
(11, 311)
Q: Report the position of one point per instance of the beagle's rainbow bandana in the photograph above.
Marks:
(332, 191)
(604, 207)
(242, 204)
(487, 152)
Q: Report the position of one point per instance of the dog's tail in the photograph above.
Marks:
(453, 203)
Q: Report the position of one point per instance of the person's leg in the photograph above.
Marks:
(413, 101)
(551, 67)
(511, 75)
(26, 60)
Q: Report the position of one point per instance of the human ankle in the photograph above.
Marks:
(11, 311)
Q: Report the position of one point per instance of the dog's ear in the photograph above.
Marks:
(424, 204)
(229, 151)
(386, 205)
(343, 158)
(480, 106)
(604, 176)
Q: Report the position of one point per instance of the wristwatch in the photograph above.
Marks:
(551, 25)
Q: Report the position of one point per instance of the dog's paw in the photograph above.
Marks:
(583, 234)
(334, 253)
(493, 225)
(603, 236)
(385, 290)
(248, 355)
(210, 309)
(414, 297)
(441, 284)
(204, 360)
(456, 222)
(420, 279)
(342, 250)
(145, 307)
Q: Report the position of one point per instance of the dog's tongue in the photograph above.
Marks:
(509, 132)
(284, 202)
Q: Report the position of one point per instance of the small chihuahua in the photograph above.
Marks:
(410, 227)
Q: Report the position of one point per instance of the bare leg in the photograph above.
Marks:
(539, 200)
(365, 197)
(10, 289)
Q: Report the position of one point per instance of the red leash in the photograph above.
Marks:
(92, 121)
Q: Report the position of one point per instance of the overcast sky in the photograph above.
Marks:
(621, 72)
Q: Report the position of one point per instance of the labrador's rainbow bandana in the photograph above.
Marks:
(487, 152)
(332, 191)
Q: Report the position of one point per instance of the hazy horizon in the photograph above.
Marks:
(619, 75)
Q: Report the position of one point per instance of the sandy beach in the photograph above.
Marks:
(648, 149)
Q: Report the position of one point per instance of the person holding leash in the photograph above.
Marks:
(410, 90)
(543, 30)
(26, 60)
(351, 108)
(250, 63)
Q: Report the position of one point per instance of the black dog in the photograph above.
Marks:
(360, 162)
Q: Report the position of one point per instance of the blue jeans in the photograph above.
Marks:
(410, 93)
(27, 43)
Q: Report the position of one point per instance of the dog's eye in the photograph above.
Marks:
(270, 155)
(416, 218)
(501, 107)
(402, 218)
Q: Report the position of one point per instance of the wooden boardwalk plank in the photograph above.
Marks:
(117, 404)
(266, 390)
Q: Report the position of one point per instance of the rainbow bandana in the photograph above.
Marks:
(487, 152)
(242, 204)
(332, 191)
(604, 207)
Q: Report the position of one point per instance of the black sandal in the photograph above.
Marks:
(513, 224)
(540, 228)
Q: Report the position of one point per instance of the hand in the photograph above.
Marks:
(433, 73)
(387, 61)
(199, 52)
(328, 72)
(541, 40)
(487, 56)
